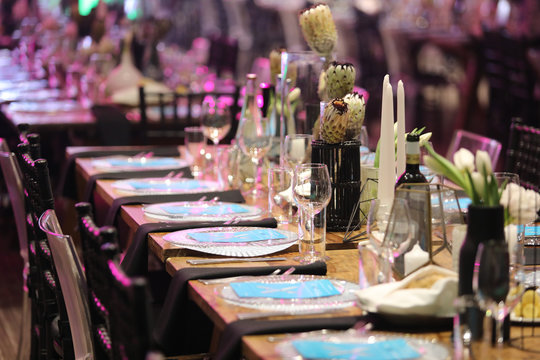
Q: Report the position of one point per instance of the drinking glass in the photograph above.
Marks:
(311, 192)
(280, 201)
(195, 143)
(390, 228)
(497, 281)
(297, 149)
(255, 140)
(215, 122)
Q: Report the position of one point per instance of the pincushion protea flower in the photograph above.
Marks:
(319, 28)
(339, 79)
(357, 112)
(275, 64)
(335, 121)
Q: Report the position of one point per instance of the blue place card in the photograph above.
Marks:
(172, 185)
(396, 349)
(286, 290)
(149, 162)
(237, 236)
(205, 210)
(452, 204)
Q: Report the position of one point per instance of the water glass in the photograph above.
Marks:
(280, 198)
(195, 143)
(312, 233)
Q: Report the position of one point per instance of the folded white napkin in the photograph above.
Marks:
(410, 296)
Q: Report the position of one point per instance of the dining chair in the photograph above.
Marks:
(72, 283)
(51, 335)
(164, 115)
(474, 142)
(13, 180)
(119, 304)
(523, 154)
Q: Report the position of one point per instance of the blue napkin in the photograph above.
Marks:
(237, 236)
(150, 162)
(453, 205)
(172, 185)
(397, 349)
(205, 210)
(286, 290)
(530, 230)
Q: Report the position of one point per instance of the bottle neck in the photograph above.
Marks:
(412, 159)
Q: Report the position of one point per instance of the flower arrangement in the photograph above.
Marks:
(474, 174)
(344, 112)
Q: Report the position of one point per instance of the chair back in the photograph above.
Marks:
(523, 154)
(118, 304)
(13, 179)
(72, 282)
(474, 142)
(164, 115)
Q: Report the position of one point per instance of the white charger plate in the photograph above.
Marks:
(196, 211)
(165, 186)
(127, 163)
(346, 297)
(233, 249)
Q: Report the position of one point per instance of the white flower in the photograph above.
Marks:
(483, 162)
(464, 160)
(424, 138)
(478, 182)
(522, 204)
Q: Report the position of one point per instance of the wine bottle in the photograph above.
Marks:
(412, 174)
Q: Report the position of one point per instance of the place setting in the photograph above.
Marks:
(141, 162)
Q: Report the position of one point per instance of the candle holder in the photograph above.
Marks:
(436, 213)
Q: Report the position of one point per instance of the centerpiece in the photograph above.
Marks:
(336, 121)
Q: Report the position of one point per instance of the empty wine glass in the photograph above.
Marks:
(255, 140)
(215, 122)
(312, 191)
(497, 282)
(389, 228)
(297, 149)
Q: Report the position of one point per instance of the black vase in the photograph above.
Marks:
(343, 162)
(484, 223)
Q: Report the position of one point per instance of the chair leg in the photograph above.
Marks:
(24, 346)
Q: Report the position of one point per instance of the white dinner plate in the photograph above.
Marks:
(345, 298)
(200, 211)
(265, 246)
(165, 186)
(126, 163)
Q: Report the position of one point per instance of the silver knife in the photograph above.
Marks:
(266, 314)
(228, 260)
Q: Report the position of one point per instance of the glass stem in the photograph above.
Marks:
(499, 322)
(312, 230)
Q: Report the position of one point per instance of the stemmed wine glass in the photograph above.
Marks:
(312, 191)
(497, 281)
(297, 149)
(215, 122)
(255, 140)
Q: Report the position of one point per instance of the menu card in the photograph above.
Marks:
(143, 162)
(286, 290)
(167, 185)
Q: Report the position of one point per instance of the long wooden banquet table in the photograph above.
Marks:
(343, 264)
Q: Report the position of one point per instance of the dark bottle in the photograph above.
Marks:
(412, 174)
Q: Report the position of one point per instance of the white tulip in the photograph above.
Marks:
(483, 162)
(522, 204)
(478, 182)
(464, 160)
(424, 138)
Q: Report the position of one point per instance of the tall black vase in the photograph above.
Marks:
(484, 223)
(343, 162)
